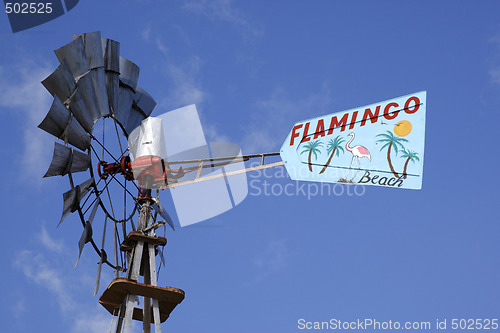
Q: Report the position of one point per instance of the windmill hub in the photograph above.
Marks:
(150, 171)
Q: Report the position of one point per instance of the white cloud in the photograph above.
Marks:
(213, 134)
(93, 320)
(272, 259)
(161, 46)
(187, 90)
(35, 266)
(495, 74)
(49, 242)
(222, 10)
(22, 92)
(146, 33)
(181, 78)
(279, 111)
(45, 272)
(19, 308)
(52, 272)
(494, 70)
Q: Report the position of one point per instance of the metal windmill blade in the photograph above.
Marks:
(95, 57)
(142, 106)
(103, 258)
(66, 160)
(62, 84)
(73, 197)
(129, 75)
(87, 231)
(61, 123)
(111, 55)
(163, 213)
(75, 56)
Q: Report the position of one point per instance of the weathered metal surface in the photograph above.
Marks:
(102, 259)
(163, 213)
(118, 290)
(144, 101)
(129, 73)
(152, 280)
(142, 106)
(95, 57)
(79, 109)
(124, 105)
(62, 84)
(87, 232)
(72, 198)
(99, 82)
(67, 160)
(60, 123)
(111, 54)
(116, 250)
(86, 88)
(93, 48)
(135, 266)
(74, 54)
(162, 257)
(84, 238)
(112, 86)
(146, 301)
(133, 274)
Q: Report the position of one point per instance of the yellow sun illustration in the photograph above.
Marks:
(403, 128)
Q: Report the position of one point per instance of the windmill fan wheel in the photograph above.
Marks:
(97, 104)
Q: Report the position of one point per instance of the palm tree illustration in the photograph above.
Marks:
(313, 148)
(391, 141)
(333, 147)
(410, 156)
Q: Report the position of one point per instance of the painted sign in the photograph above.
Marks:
(379, 144)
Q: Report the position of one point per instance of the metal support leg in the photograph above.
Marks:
(152, 268)
(146, 309)
(121, 315)
(129, 311)
(133, 275)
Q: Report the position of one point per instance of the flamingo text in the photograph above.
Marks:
(390, 111)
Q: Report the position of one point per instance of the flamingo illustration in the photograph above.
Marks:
(357, 152)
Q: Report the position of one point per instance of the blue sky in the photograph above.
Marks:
(253, 69)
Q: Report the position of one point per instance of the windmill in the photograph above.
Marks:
(112, 152)
(97, 106)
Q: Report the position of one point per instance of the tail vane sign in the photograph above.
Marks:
(378, 144)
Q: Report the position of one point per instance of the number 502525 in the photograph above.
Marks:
(28, 8)
(474, 324)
